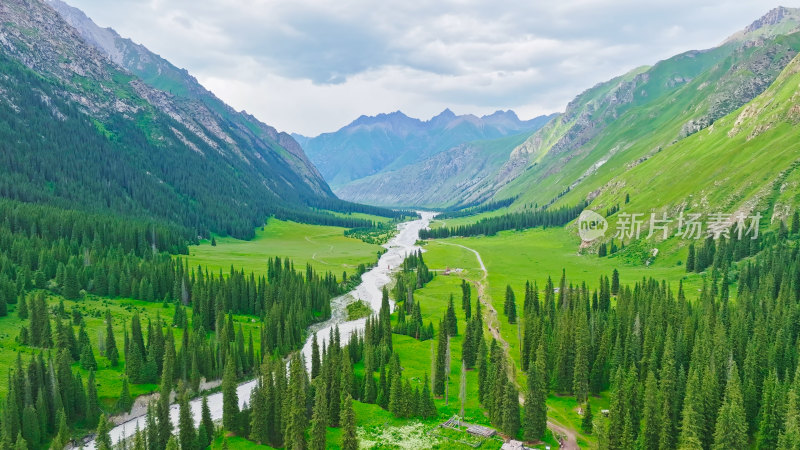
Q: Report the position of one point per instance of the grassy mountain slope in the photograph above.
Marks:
(745, 162)
(618, 125)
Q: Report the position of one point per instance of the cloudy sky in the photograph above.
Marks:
(313, 66)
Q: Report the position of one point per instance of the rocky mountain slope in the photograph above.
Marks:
(446, 179)
(175, 153)
(189, 98)
(388, 142)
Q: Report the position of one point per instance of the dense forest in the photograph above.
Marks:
(489, 226)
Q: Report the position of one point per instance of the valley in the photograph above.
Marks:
(176, 274)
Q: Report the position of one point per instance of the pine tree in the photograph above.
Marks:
(396, 396)
(230, 399)
(259, 415)
(511, 411)
(535, 423)
(21, 444)
(102, 440)
(111, 343)
(206, 426)
(462, 391)
(651, 416)
(440, 379)
(690, 259)
(186, 432)
(731, 430)
(92, 402)
(315, 363)
(30, 426)
(770, 424)
(693, 425)
(587, 427)
(790, 437)
(510, 305)
(319, 419)
(466, 299)
(580, 382)
(427, 406)
(348, 423)
(451, 323)
(125, 402)
(296, 419)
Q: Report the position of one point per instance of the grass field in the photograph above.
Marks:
(326, 248)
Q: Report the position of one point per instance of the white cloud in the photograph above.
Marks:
(312, 66)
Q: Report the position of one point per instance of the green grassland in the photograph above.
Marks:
(326, 248)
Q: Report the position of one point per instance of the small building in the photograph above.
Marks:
(481, 431)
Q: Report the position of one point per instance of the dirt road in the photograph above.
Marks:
(570, 441)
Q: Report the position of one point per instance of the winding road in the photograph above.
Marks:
(491, 318)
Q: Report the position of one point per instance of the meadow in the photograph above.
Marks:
(326, 248)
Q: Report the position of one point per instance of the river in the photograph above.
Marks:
(372, 283)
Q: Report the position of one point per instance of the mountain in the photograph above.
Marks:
(610, 129)
(376, 144)
(93, 121)
(446, 178)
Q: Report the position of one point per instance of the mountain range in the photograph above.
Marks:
(373, 145)
(104, 124)
(627, 125)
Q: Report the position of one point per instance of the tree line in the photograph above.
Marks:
(489, 226)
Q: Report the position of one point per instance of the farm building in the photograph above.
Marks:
(481, 431)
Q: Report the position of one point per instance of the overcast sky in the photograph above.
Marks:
(311, 67)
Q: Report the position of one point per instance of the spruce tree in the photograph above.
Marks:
(466, 299)
(186, 432)
(348, 423)
(651, 416)
(296, 419)
(587, 426)
(535, 420)
(111, 343)
(259, 412)
(102, 441)
(206, 424)
(510, 412)
(319, 419)
(770, 424)
(510, 305)
(790, 437)
(731, 429)
(230, 399)
(125, 402)
(315, 362)
(92, 402)
(440, 378)
(451, 323)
